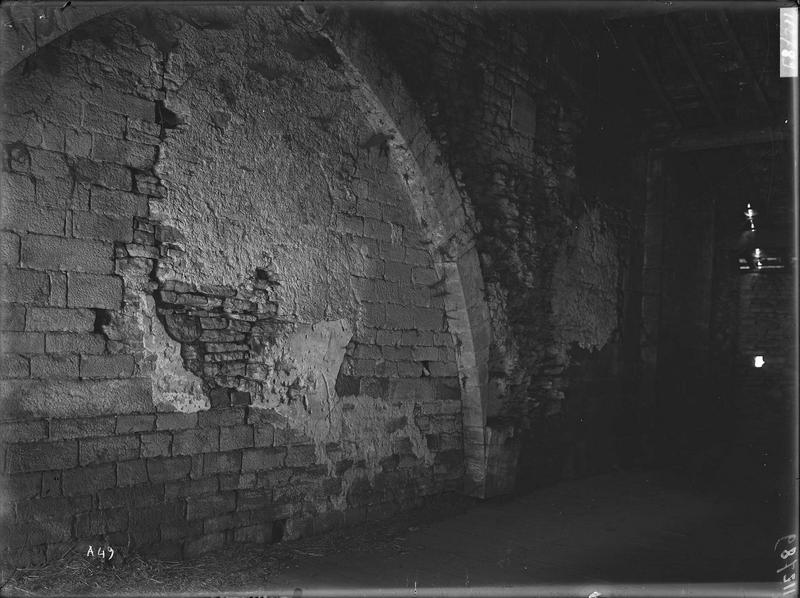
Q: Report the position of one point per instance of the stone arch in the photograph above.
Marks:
(445, 212)
(29, 27)
(440, 207)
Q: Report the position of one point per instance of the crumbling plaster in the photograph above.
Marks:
(585, 282)
(252, 151)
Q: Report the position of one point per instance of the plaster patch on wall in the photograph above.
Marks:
(303, 367)
(268, 186)
(174, 388)
(503, 351)
(300, 390)
(365, 421)
(584, 304)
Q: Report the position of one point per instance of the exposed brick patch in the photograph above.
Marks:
(216, 468)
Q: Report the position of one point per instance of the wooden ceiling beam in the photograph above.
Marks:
(719, 137)
(744, 63)
(653, 80)
(683, 50)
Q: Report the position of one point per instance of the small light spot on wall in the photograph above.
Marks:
(758, 361)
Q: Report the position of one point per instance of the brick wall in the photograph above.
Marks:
(220, 317)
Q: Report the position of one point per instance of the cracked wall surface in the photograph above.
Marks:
(221, 318)
(271, 271)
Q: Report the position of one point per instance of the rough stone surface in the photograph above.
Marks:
(268, 265)
(201, 253)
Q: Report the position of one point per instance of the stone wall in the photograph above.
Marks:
(269, 271)
(222, 321)
(516, 129)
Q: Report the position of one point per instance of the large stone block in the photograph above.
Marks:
(89, 225)
(14, 366)
(91, 290)
(54, 193)
(111, 176)
(48, 163)
(24, 286)
(31, 217)
(142, 495)
(228, 462)
(377, 229)
(425, 353)
(249, 500)
(104, 450)
(77, 144)
(397, 271)
(160, 470)
(300, 455)
(54, 366)
(122, 103)
(263, 458)
(39, 398)
(237, 481)
(253, 534)
(129, 153)
(184, 488)
(157, 444)
(99, 120)
(85, 427)
(47, 319)
(54, 253)
(58, 289)
(424, 276)
(192, 442)
(135, 423)
(235, 437)
(22, 486)
(208, 506)
(87, 344)
(12, 317)
(176, 421)
(230, 416)
(107, 366)
(88, 480)
(13, 432)
(17, 188)
(106, 201)
(418, 390)
(97, 523)
(130, 473)
(263, 435)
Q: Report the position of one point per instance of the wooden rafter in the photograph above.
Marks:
(722, 136)
(653, 80)
(690, 64)
(744, 63)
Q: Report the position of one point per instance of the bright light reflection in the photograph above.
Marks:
(758, 361)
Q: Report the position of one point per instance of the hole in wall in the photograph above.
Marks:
(278, 529)
(102, 318)
(166, 117)
(18, 158)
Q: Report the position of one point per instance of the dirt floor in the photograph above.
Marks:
(621, 528)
